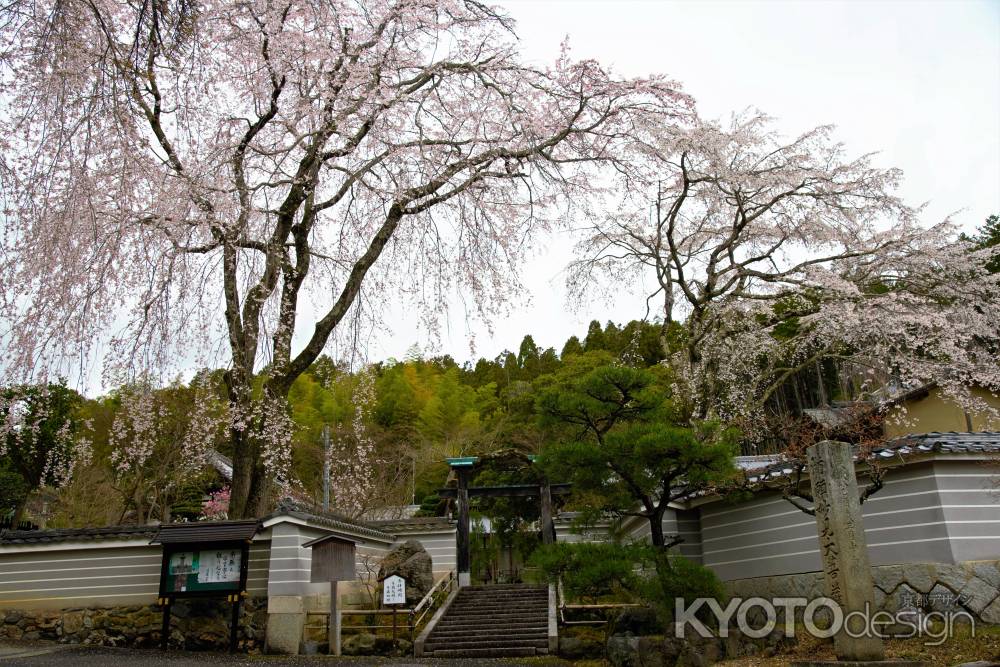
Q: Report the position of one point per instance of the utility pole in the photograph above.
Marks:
(326, 467)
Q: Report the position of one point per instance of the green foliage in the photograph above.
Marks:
(13, 489)
(40, 445)
(484, 552)
(677, 577)
(591, 394)
(590, 570)
(638, 571)
(572, 347)
(988, 236)
(510, 516)
(621, 444)
(451, 416)
(424, 409)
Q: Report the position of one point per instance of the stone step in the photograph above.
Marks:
(493, 588)
(501, 603)
(496, 630)
(491, 643)
(465, 624)
(482, 609)
(438, 637)
(528, 611)
(506, 595)
(518, 652)
(465, 592)
(495, 619)
(513, 604)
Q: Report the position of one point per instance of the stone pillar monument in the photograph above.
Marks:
(842, 544)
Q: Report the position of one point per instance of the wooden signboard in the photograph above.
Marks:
(202, 560)
(201, 572)
(333, 560)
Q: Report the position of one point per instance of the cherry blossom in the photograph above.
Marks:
(189, 181)
(774, 254)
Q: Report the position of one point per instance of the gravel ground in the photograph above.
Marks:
(40, 655)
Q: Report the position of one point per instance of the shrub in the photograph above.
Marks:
(673, 577)
(589, 570)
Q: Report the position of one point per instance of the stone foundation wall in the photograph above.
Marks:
(972, 586)
(194, 624)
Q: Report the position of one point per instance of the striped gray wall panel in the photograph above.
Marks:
(291, 564)
(440, 547)
(970, 498)
(689, 528)
(101, 577)
(766, 536)
(257, 568)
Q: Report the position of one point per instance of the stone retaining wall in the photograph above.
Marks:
(195, 625)
(972, 586)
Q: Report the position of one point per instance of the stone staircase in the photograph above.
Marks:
(492, 621)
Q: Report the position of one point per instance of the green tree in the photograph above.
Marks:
(620, 446)
(528, 358)
(39, 426)
(595, 340)
(450, 419)
(572, 347)
(988, 236)
(158, 444)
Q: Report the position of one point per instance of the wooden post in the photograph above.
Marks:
(165, 624)
(333, 629)
(548, 527)
(462, 534)
(234, 624)
(394, 642)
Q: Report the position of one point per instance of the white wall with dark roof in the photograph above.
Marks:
(938, 511)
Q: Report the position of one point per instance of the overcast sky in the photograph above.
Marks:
(919, 82)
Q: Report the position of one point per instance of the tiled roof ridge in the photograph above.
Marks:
(332, 519)
(411, 523)
(948, 442)
(61, 534)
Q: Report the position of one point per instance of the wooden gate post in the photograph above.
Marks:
(464, 569)
(548, 527)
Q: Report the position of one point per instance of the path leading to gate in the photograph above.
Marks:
(61, 655)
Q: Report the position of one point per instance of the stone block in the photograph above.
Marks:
(284, 632)
(921, 576)
(888, 577)
(988, 571)
(952, 576)
(978, 594)
(991, 613)
(72, 622)
(410, 561)
(942, 599)
(359, 644)
(903, 598)
(286, 604)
